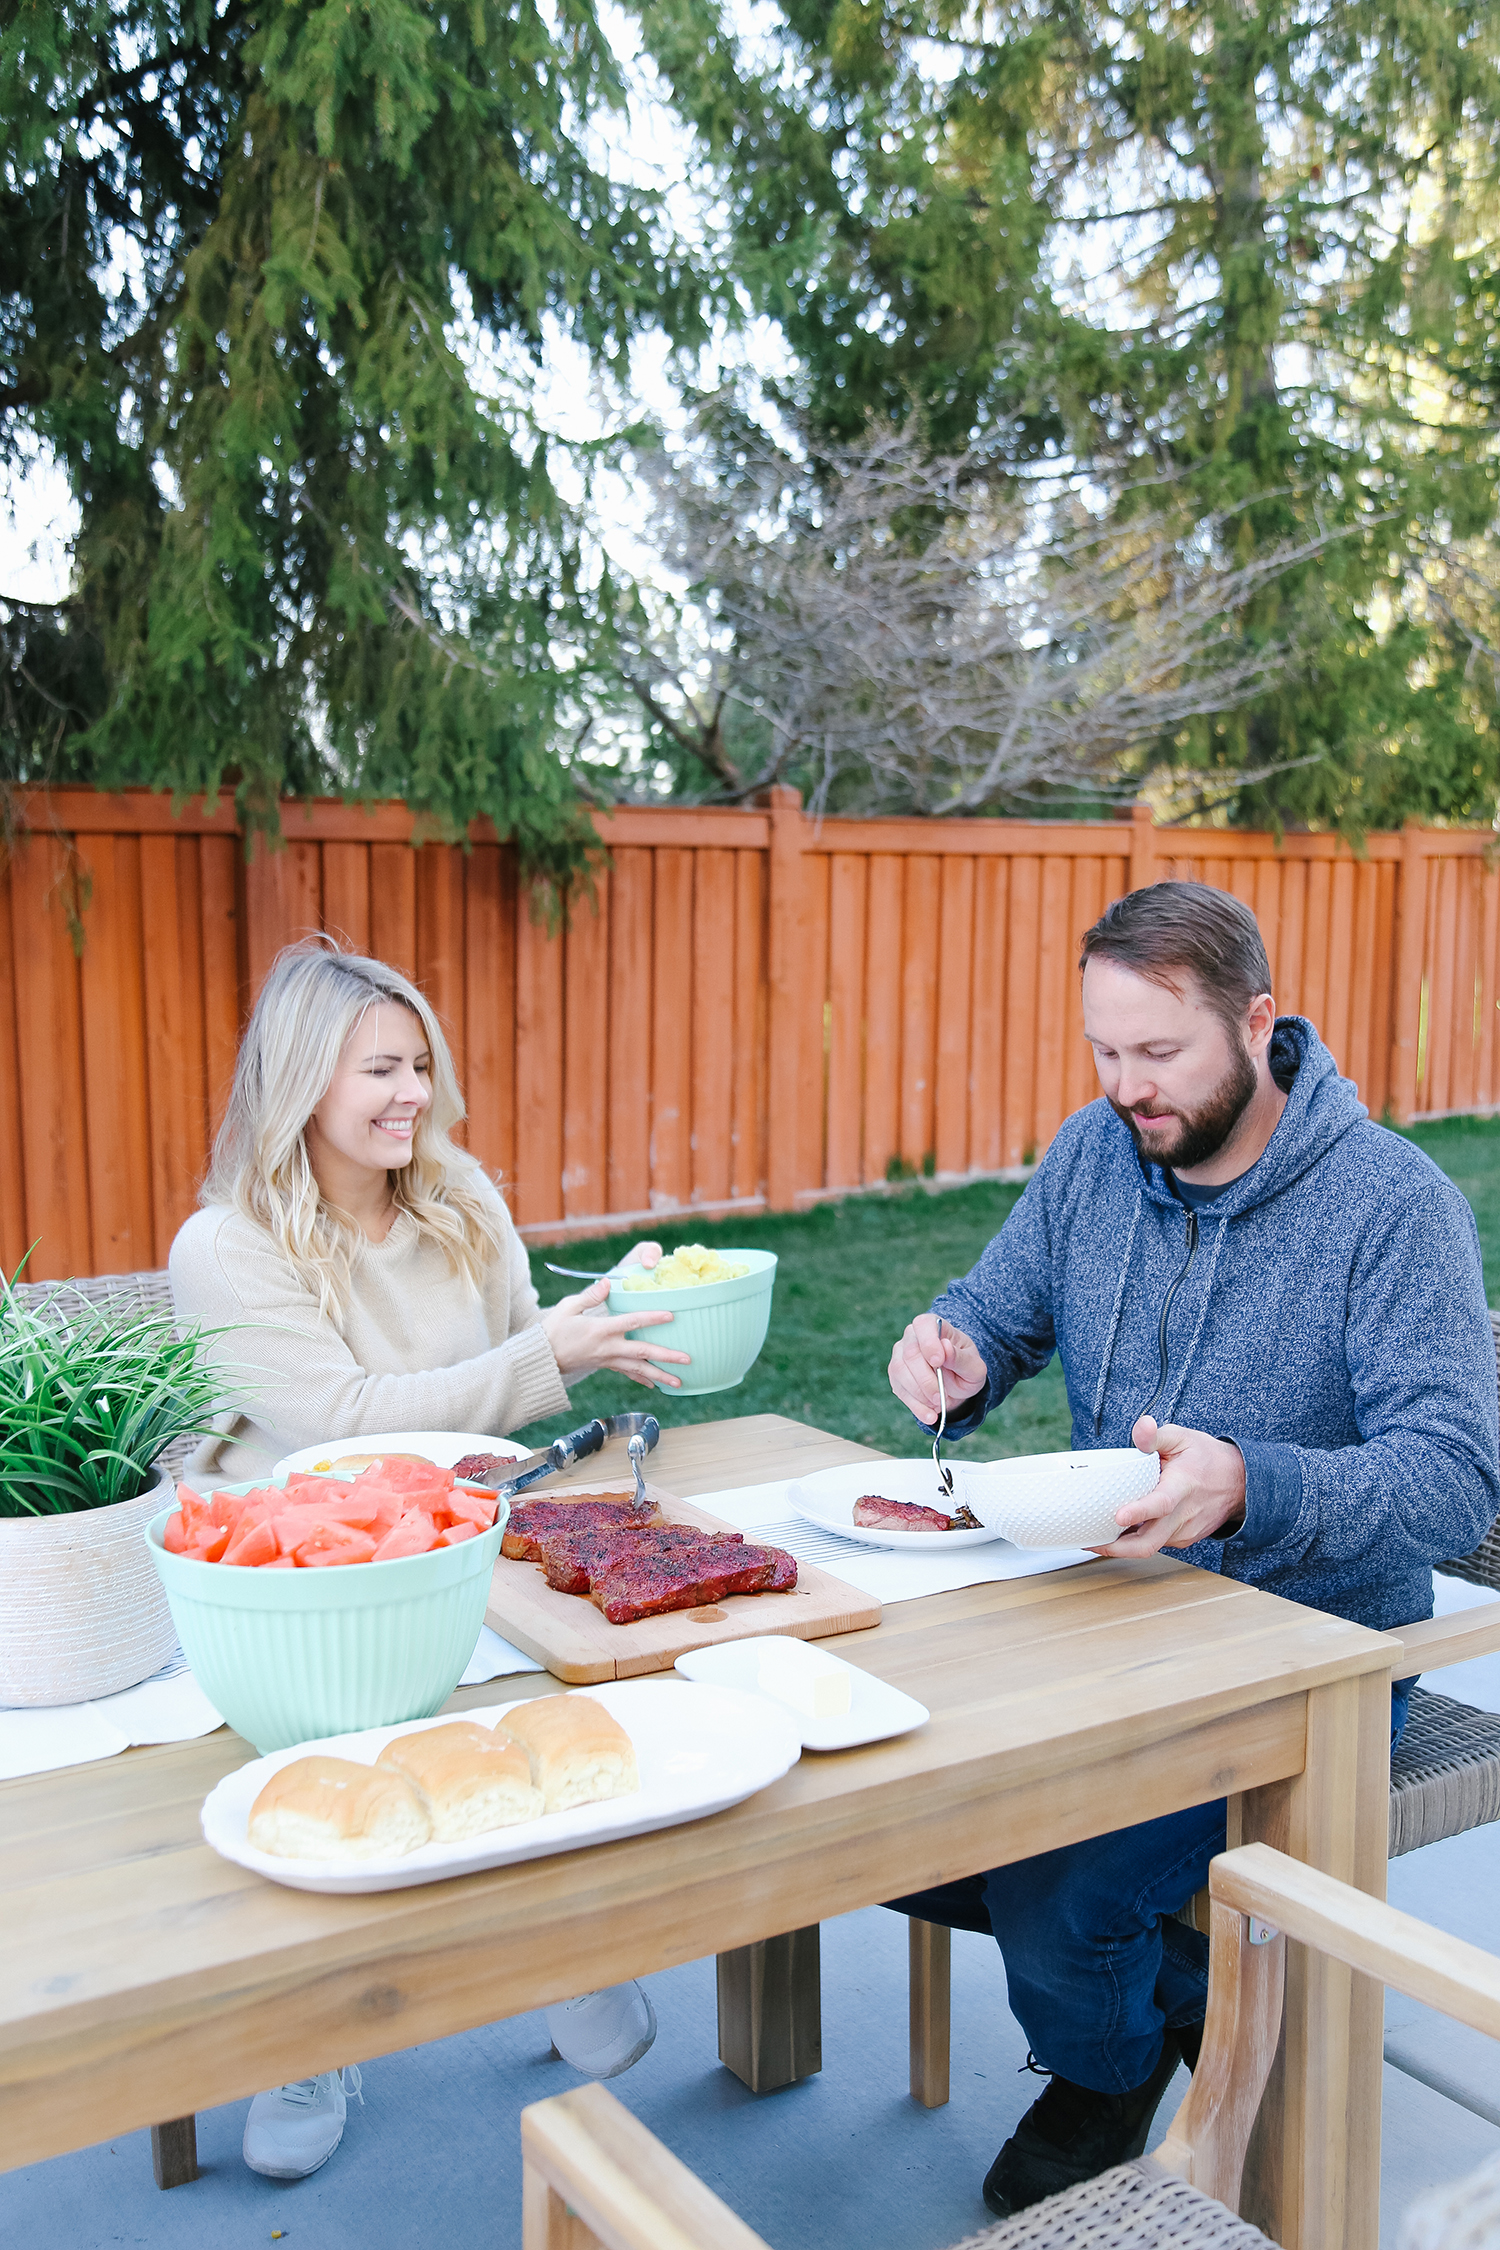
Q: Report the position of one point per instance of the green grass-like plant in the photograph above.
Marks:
(89, 1402)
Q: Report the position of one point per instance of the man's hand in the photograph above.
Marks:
(929, 1343)
(1200, 1493)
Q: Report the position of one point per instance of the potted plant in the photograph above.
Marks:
(89, 1404)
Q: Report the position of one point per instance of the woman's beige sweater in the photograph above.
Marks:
(416, 1349)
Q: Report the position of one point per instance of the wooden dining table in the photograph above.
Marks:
(144, 1978)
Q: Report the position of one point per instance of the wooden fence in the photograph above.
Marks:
(760, 1009)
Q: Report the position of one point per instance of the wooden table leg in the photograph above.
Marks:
(174, 2152)
(930, 1955)
(771, 2010)
(1312, 2179)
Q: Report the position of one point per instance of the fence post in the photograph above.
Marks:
(786, 948)
(1142, 846)
(1406, 1001)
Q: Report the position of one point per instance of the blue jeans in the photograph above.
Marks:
(1096, 1970)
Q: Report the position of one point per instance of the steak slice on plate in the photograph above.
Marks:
(900, 1515)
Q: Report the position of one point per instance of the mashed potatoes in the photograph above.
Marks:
(688, 1268)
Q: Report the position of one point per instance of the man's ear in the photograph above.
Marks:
(1260, 1022)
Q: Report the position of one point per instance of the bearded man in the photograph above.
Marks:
(1239, 1271)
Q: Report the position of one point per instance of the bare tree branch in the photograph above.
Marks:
(927, 643)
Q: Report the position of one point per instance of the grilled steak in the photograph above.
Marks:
(716, 1565)
(484, 1468)
(904, 1515)
(534, 1519)
(572, 1558)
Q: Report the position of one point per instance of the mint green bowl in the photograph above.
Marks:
(292, 1655)
(722, 1324)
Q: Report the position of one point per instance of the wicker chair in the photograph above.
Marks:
(126, 1296)
(595, 2179)
(1445, 1778)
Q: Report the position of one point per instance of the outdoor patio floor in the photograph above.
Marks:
(845, 2161)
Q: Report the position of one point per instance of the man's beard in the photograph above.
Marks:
(1202, 1132)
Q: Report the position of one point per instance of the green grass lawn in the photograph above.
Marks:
(852, 1274)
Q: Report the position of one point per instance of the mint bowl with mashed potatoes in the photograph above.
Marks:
(720, 1302)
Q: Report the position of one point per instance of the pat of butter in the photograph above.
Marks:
(798, 1675)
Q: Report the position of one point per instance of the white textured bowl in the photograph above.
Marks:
(82, 1610)
(1057, 1499)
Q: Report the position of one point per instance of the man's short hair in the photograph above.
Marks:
(1168, 931)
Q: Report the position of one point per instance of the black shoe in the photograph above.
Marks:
(1070, 2134)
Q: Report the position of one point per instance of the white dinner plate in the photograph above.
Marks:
(442, 1446)
(827, 1499)
(698, 1749)
(875, 1711)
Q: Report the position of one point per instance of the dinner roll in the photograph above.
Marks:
(330, 1808)
(471, 1778)
(579, 1754)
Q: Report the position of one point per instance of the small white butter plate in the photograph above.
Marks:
(876, 1711)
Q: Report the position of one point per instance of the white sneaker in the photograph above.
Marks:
(603, 2033)
(294, 2129)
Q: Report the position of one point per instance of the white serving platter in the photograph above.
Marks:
(699, 1749)
(443, 1447)
(827, 1499)
(876, 1711)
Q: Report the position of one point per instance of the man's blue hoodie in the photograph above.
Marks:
(1328, 1317)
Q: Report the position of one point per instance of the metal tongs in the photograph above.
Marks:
(642, 1430)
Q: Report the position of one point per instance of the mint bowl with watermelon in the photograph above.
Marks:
(290, 1649)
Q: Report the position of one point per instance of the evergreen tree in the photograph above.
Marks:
(274, 272)
(1242, 251)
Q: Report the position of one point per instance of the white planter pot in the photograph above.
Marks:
(83, 1611)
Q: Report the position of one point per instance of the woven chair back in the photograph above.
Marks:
(122, 1296)
(1482, 1568)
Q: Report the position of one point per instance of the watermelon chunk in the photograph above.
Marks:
(252, 1544)
(333, 1543)
(415, 1534)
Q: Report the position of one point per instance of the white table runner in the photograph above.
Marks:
(766, 1510)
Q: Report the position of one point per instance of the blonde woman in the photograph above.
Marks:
(375, 1260)
(383, 1279)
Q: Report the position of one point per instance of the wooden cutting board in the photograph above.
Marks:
(578, 1644)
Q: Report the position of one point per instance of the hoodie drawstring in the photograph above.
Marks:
(1114, 1318)
(1177, 1280)
(1208, 1289)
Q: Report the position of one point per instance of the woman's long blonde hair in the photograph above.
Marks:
(307, 1009)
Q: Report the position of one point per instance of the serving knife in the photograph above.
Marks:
(642, 1430)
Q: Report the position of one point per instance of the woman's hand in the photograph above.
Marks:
(647, 1254)
(927, 1344)
(583, 1343)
